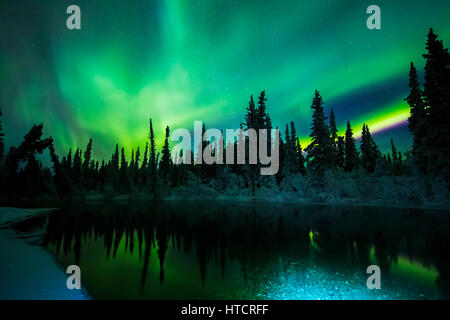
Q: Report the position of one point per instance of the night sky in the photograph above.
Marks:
(179, 61)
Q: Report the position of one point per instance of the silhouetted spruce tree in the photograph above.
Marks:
(437, 98)
(333, 128)
(114, 169)
(282, 155)
(263, 121)
(102, 176)
(124, 179)
(351, 154)
(333, 137)
(300, 158)
(289, 165)
(87, 157)
(33, 182)
(253, 120)
(96, 174)
(69, 162)
(166, 161)
(238, 168)
(131, 168)
(143, 171)
(417, 121)
(87, 174)
(319, 151)
(2, 142)
(200, 168)
(60, 177)
(293, 146)
(152, 161)
(33, 142)
(76, 175)
(251, 116)
(340, 152)
(393, 151)
(11, 165)
(268, 127)
(397, 165)
(369, 150)
(136, 171)
(261, 113)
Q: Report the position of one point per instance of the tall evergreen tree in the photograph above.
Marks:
(333, 137)
(166, 161)
(319, 151)
(393, 151)
(87, 173)
(77, 171)
(145, 160)
(87, 156)
(114, 169)
(253, 121)
(268, 127)
(300, 158)
(369, 150)
(69, 161)
(417, 121)
(131, 168)
(115, 159)
(333, 129)
(437, 98)
(351, 154)
(152, 158)
(340, 152)
(61, 180)
(124, 179)
(251, 116)
(289, 163)
(397, 166)
(261, 112)
(136, 171)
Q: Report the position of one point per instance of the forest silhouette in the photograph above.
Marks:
(332, 158)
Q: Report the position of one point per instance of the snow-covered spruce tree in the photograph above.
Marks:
(320, 150)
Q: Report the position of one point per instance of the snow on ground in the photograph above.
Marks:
(28, 271)
(9, 216)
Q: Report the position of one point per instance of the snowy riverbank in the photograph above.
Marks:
(28, 271)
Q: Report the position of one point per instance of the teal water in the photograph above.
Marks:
(198, 250)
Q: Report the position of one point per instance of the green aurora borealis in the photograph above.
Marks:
(178, 61)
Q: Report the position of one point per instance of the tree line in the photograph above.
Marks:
(155, 174)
